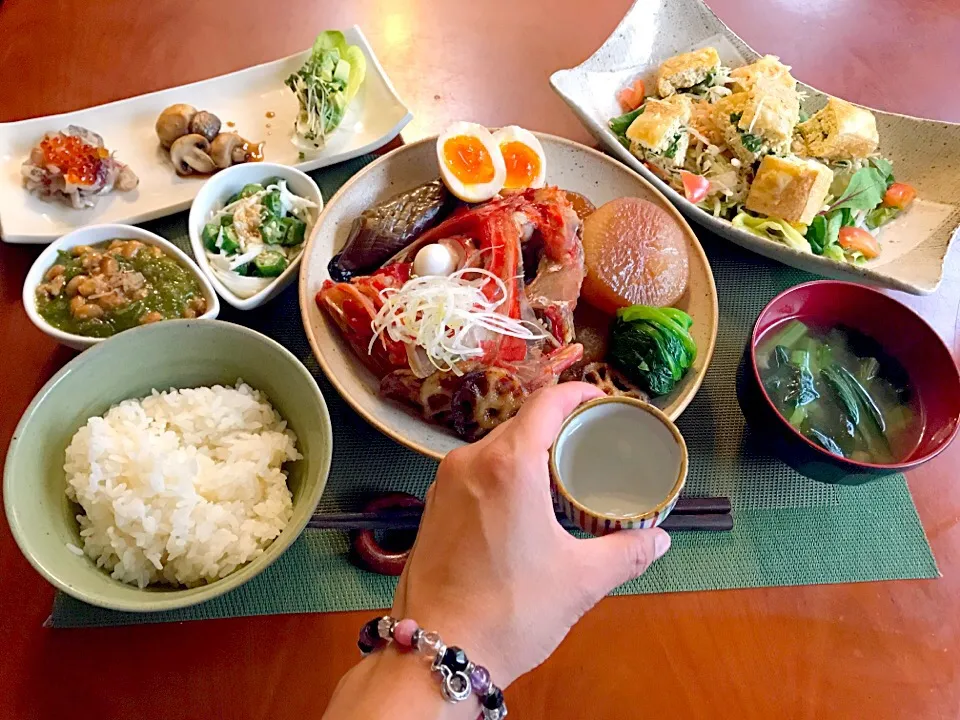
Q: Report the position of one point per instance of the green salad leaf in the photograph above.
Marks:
(652, 346)
(618, 125)
(771, 228)
(817, 234)
(864, 191)
(324, 86)
(880, 216)
(884, 167)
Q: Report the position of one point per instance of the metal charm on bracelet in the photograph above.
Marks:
(459, 678)
(455, 686)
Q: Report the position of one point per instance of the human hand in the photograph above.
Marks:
(492, 570)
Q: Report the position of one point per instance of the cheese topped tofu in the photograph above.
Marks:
(659, 123)
(840, 131)
(791, 188)
(772, 113)
(767, 72)
(759, 121)
(686, 70)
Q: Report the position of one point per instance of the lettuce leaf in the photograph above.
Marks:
(324, 85)
(864, 191)
(618, 125)
(775, 229)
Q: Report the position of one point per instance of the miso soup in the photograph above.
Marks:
(840, 390)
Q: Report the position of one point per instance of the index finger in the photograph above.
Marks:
(537, 424)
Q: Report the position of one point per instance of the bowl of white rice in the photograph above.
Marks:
(167, 465)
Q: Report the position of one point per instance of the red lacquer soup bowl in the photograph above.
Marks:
(933, 378)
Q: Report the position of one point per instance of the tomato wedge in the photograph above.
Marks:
(899, 195)
(630, 98)
(695, 187)
(857, 239)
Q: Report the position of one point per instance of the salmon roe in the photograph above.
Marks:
(79, 162)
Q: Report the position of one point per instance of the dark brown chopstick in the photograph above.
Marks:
(704, 514)
(702, 506)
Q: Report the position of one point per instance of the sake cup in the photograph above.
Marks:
(617, 464)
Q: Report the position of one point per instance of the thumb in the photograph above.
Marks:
(614, 559)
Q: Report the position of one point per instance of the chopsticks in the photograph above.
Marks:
(709, 514)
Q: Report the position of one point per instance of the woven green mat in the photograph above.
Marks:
(789, 530)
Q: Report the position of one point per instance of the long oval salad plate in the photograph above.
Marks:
(925, 153)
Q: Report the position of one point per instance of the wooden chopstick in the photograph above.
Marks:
(704, 514)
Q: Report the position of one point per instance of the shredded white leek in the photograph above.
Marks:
(448, 316)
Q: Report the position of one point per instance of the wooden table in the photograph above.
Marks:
(874, 650)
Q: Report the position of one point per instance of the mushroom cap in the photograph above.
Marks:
(228, 148)
(206, 124)
(174, 122)
(190, 154)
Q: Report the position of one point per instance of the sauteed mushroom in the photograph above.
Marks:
(206, 124)
(174, 123)
(228, 149)
(190, 154)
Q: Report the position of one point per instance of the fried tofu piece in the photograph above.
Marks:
(839, 131)
(767, 72)
(686, 70)
(759, 121)
(791, 188)
(661, 129)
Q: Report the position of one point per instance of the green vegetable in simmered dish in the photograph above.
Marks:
(652, 346)
(100, 290)
(840, 390)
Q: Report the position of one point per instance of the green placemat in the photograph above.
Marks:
(789, 530)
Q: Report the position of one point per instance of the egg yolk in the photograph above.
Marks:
(523, 164)
(468, 160)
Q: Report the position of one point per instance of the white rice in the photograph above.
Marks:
(183, 486)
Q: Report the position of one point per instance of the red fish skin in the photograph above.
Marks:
(554, 292)
(497, 229)
(354, 305)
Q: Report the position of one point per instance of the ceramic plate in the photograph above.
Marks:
(570, 166)
(245, 98)
(924, 152)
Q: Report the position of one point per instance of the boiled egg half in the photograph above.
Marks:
(523, 157)
(471, 163)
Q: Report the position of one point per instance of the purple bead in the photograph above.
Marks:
(480, 680)
(369, 635)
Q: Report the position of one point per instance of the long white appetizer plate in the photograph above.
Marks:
(254, 103)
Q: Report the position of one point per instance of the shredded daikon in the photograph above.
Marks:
(448, 316)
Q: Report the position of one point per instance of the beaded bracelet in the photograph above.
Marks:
(458, 675)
